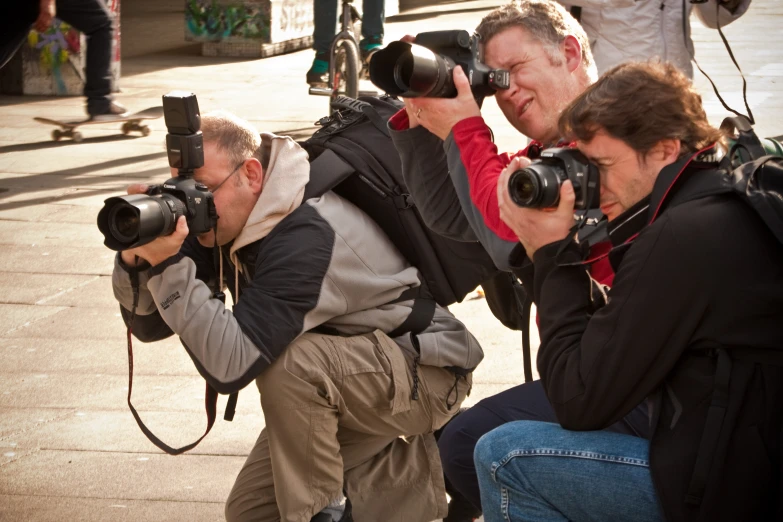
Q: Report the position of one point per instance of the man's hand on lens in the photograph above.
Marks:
(535, 227)
(162, 248)
(439, 115)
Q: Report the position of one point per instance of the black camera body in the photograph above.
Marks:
(538, 184)
(425, 68)
(130, 221)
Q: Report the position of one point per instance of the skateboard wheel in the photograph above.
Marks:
(77, 137)
(145, 131)
(57, 134)
(126, 128)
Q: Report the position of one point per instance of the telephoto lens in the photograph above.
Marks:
(130, 221)
(412, 71)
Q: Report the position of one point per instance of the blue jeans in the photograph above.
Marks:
(538, 471)
(325, 22)
(527, 401)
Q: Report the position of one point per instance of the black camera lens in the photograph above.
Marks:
(536, 186)
(130, 221)
(124, 223)
(412, 71)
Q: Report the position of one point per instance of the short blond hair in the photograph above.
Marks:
(235, 136)
(545, 20)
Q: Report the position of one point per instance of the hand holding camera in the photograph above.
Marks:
(535, 227)
(439, 115)
(128, 222)
(441, 76)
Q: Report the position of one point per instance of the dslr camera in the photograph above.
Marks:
(538, 184)
(425, 68)
(130, 221)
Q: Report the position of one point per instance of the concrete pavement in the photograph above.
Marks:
(70, 448)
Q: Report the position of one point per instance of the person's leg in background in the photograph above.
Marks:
(538, 471)
(373, 16)
(325, 24)
(14, 26)
(93, 18)
(524, 402)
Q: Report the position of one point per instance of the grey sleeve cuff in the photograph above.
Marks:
(123, 290)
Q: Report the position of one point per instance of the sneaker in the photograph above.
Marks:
(115, 110)
(368, 47)
(318, 75)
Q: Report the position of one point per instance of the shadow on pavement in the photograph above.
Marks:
(64, 181)
(49, 144)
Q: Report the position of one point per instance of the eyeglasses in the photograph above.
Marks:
(231, 174)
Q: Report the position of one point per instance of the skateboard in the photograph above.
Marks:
(130, 122)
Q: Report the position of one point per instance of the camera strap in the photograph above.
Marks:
(731, 55)
(210, 398)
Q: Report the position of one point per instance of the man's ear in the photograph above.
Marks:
(255, 175)
(573, 53)
(667, 150)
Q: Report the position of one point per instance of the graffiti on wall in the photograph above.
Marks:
(296, 18)
(53, 61)
(56, 49)
(208, 20)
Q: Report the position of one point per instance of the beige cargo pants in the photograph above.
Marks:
(335, 410)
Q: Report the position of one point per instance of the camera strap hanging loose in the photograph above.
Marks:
(731, 55)
(210, 397)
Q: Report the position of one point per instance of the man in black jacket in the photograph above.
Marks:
(692, 324)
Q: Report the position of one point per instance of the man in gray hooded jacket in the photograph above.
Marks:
(349, 412)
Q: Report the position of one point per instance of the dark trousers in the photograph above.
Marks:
(325, 21)
(91, 17)
(94, 19)
(15, 22)
(525, 402)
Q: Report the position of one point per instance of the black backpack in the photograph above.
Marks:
(753, 171)
(353, 155)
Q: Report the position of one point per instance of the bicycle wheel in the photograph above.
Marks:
(346, 70)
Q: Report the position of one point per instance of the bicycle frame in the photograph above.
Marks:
(346, 33)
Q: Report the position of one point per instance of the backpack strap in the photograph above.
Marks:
(712, 429)
(421, 315)
(343, 102)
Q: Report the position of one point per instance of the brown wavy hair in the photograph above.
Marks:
(641, 103)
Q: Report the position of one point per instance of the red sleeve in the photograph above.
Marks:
(483, 165)
(399, 121)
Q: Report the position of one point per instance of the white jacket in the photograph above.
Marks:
(623, 30)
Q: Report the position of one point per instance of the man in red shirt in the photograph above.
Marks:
(451, 167)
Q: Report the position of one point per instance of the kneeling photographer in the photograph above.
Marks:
(321, 302)
(448, 156)
(692, 324)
